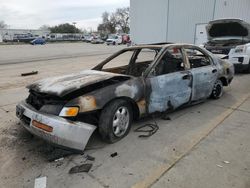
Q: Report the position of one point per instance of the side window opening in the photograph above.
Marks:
(172, 61)
(143, 59)
(197, 58)
(119, 64)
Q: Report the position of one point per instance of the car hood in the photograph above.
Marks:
(228, 28)
(64, 85)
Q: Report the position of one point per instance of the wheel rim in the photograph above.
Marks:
(217, 90)
(121, 121)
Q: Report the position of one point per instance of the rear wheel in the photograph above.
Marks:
(115, 121)
(217, 90)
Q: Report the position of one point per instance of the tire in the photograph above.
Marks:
(248, 69)
(110, 131)
(217, 90)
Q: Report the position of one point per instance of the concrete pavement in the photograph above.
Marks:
(185, 152)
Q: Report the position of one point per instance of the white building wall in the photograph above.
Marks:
(148, 20)
(233, 9)
(183, 17)
(155, 21)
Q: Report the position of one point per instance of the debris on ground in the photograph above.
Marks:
(60, 163)
(60, 159)
(150, 129)
(82, 168)
(165, 117)
(58, 154)
(40, 182)
(90, 158)
(29, 73)
(113, 154)
(219, 166)
(226, 162)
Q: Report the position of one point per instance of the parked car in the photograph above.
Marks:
(38, 41)
(126, 39)
(230, 37)
(240, 57)
(132, 83)
(28, 37)
(97, 41)
(88, 39)
(114, 40)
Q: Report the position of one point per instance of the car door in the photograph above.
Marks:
(169, 82)
(204, 73)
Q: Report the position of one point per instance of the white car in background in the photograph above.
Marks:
(114, 40)
(240, 57)
(231, 38)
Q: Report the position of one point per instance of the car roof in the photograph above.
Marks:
(156, 46)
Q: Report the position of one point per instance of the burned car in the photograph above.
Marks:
(230, 37)
(132, 83)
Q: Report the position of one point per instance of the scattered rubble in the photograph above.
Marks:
(90, 158)
(60, 159)
(58, 154)
(114, 154)
(165, 117)
(40, 182)
(29, 73)
(219, 166)
(82, 168)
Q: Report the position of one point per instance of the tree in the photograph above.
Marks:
(3, 25)
(122, 19)
(44, 28)
(112, 22)
(64, 28)
(108, 24)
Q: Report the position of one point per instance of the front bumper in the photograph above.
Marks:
(240, 62)
(66, 133)
(110, 42)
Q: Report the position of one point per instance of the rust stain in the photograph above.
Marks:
(142, 106)
(87, 103)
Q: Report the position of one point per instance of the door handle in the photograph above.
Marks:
(214, 71)
(186, 77)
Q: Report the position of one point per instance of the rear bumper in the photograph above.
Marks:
(66, 133)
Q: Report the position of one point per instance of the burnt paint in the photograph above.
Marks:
(132, 89)
(151, 94)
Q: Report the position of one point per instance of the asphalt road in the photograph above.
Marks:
(16, 54)
(205, 145)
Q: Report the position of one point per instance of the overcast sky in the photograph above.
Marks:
(31, 14)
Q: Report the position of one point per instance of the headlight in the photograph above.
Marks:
(240, 49)
(69, 112)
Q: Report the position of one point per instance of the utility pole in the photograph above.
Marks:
(74, 23)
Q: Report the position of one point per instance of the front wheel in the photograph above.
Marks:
(248, 69)
(115, 121)
(217, 90)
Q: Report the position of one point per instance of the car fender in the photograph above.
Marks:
(132, 90)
